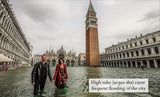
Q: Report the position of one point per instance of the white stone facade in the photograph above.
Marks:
(13, 43)
(135, 52)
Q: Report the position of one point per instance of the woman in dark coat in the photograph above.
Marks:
(61, 75)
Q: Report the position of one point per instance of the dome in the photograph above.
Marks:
(61, 51)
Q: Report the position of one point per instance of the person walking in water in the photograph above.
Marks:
(61, 75)
(142, 66)
(39, 75)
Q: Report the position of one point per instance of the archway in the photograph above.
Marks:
(54, 62)
(151, 63)
(109, 64)
(48, 61)
(117, 64)
(68, 63)
(72, 63)
(138, 64)
(145, 63)
(61, 56)
(121, 64)
(158, 62)
(129, 64)
(124, 64)
(134, 64)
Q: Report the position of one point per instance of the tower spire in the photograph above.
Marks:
(91, 9)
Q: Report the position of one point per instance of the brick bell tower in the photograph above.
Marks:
(92, 45)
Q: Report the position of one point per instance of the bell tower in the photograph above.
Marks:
(92, 45)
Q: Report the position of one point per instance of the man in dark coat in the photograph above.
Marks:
(39, 75)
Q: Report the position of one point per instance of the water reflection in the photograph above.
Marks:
(93, 72)
(61, 92)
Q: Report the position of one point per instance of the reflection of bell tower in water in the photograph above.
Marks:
(92, 45)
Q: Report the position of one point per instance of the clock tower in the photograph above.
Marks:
(92, 45)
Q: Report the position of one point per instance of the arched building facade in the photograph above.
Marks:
(136, 52)
(13, 43)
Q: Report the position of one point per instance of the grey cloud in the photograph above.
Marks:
(47, 24)
(153, 14)
(35, 9)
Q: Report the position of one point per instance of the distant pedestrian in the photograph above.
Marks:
(142, 66)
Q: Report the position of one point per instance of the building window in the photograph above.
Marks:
(147, 41)
(123, 55)
(140, 42)
(154, 39)
(156, 50)
(149, 51)
(137, 53)
(122, 47)
(1, 15)
(126, 46)
(0, 35)
(127, 54)
(135, 44)
(131, 45)
(142, 51)
(93, 21)
(132, 54)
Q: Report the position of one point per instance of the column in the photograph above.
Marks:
(130, 55)
(148, 64)
(152, 51)
(136, 64)
(116, 64)
(127, 64)
(111, 64)
(142, 63)
(119, 63)
(122, 63)
(140, 53)
(145, 51)
(155, 63)
(134, 54)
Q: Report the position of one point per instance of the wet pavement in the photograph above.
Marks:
(17, 83)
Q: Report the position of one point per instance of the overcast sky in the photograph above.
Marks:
(62, 22)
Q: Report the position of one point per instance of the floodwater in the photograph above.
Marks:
(17, 83)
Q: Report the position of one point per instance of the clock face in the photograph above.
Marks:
(92, 14)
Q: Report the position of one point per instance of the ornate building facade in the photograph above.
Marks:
(135, 52)
(13, 44)
(70, 58)
(92, 45)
